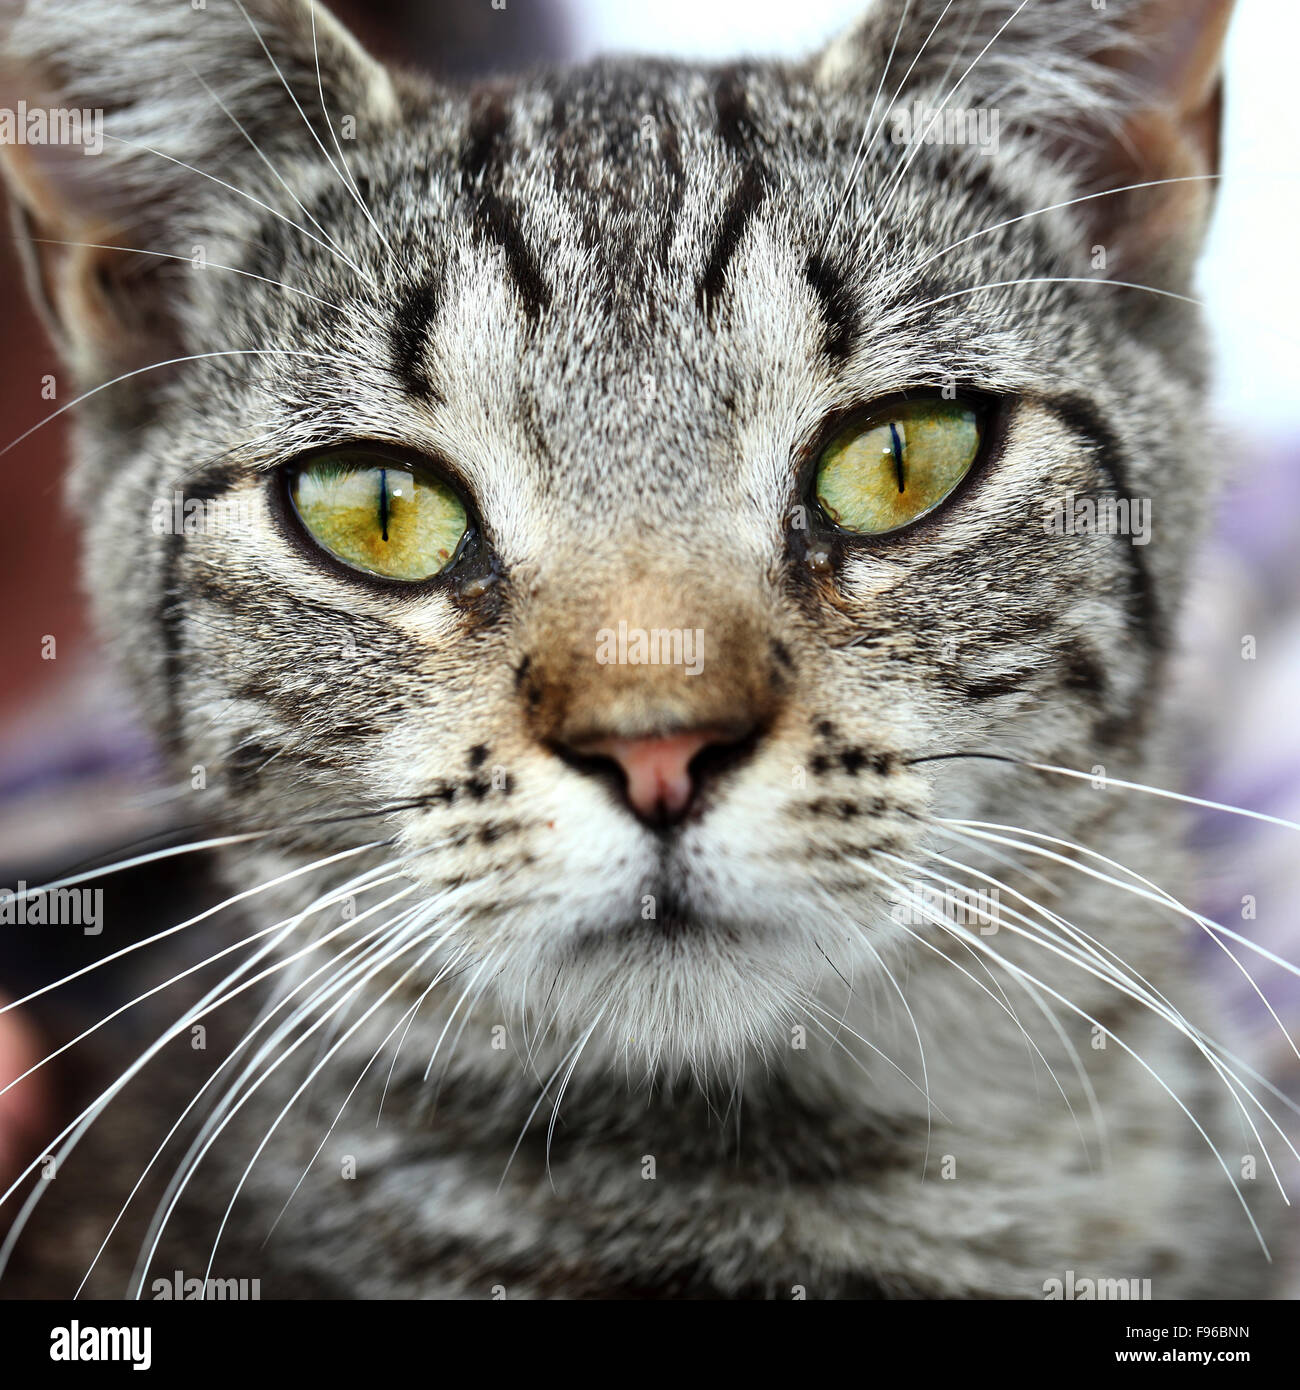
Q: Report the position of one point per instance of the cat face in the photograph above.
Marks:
(660, 725)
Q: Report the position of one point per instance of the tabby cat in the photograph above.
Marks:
(650, 652)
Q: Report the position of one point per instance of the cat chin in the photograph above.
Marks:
(682, 991)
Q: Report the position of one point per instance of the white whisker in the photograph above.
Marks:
(188, 260)
(156, 366)
(262, 1021)
(311, 128)
(1083, 1013)
(180, 926)
(266, 207)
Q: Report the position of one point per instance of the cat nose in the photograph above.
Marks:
(661, 774)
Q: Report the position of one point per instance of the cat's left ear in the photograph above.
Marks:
(1113, 92)
(1169, 57)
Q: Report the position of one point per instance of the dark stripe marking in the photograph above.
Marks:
(205, 483)
(745, 202)
(1145, 609)
(838, 310)
(497, 219)
(670, 153)
(737, 128)
(169, 615)
(1007, 683)
(408, 337)
(487, 124)
(496, 215)
(1084, 669)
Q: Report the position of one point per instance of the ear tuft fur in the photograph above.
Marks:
(1118, 93)
(142, 84)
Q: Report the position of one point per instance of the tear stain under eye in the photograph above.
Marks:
(481, 590)
(478, 586)
(818, 558)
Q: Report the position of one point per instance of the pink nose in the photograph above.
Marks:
(656, 771)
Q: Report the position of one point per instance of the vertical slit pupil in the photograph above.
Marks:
(896, 444)
(383, 502)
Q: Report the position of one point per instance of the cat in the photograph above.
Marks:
(655, 734)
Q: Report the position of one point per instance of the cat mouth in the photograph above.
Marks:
(675, 920)
(664, 915)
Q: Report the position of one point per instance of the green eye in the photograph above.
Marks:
(378, 515)
(896, 465)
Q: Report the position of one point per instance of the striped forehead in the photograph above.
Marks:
(601, 292)
(615, 282)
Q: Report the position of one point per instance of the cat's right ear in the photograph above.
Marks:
(117, 115)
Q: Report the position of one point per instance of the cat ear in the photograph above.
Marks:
(1169, 64)
(1115, 92)
(114, 105)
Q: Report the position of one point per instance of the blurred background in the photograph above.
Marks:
(75, 772)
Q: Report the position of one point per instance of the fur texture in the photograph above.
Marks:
(619, 304)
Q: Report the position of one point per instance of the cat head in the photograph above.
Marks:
(627, 488)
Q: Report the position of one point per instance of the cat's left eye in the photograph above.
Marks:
(378, 515)
(894, 465)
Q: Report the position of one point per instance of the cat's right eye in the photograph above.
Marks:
(378, 515)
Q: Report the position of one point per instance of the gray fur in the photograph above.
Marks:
(596, 295)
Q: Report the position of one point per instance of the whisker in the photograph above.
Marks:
(346, 173)
(1197, 1035)
(181, 975)
(922, 1090)
(848, 987)
(555, 1109)
(329, 964)
(374, 951)
(1147, 991)
(1055, 280)
(389, 959)
(1167, 1010)
(868, 134)
(1075, 1008)
(1159, 896)
(1007, 1009)
(407, 1018)
(291, 827)
(1056, 207)
(311, 128)
(385, 954)
(188, 260)
(71, 1135)
(153, 367)
(181, 926)
(266, 207)
(919, 141)
(1101, 780)
(451, 1016)
(397, 1051)
(925, 1071)
(455, 1042)
(257, 150)
(532, 1114)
